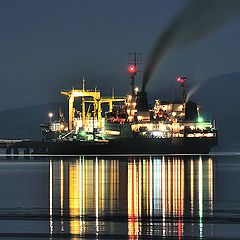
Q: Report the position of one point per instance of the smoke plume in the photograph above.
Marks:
(197, 19)
(194, 89)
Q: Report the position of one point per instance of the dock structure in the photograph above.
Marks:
(22, 146)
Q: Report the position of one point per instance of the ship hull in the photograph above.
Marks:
(130, 146)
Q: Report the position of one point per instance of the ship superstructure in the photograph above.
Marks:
(168, 126)
(84, 123)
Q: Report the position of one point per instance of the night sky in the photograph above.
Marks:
(47, 46)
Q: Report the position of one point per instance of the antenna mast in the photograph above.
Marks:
(134, 61)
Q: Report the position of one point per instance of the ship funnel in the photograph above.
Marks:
(142, 101)
(191, 112)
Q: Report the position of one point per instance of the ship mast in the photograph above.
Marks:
(83, 104)
(182, 88)
(134, 60)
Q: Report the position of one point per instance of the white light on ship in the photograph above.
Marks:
(130, 118)
(192, 127)
(209, 135)
(129, 97)
(163, 128)
(50, 115)
(157, 134)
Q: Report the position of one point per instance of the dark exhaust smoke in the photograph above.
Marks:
(196, 20)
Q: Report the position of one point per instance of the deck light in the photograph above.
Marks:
(200, 119)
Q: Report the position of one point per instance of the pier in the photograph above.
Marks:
(22, 147)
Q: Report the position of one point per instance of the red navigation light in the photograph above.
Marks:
(181, 80)
(132, 69)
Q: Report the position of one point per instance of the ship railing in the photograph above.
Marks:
(202, 135)
(10, 141)
(64, 136)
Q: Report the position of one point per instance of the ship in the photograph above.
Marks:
(128, 125)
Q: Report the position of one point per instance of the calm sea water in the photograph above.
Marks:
(120, 197)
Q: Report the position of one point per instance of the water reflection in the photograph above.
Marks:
(160, 189)
(135, 197)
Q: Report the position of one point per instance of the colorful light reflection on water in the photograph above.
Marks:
(137, 197)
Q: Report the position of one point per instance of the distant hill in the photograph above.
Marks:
(24, 122)
(218, 96)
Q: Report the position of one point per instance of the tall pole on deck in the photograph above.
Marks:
(83, 104)
(135, 59)
(70, 112)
